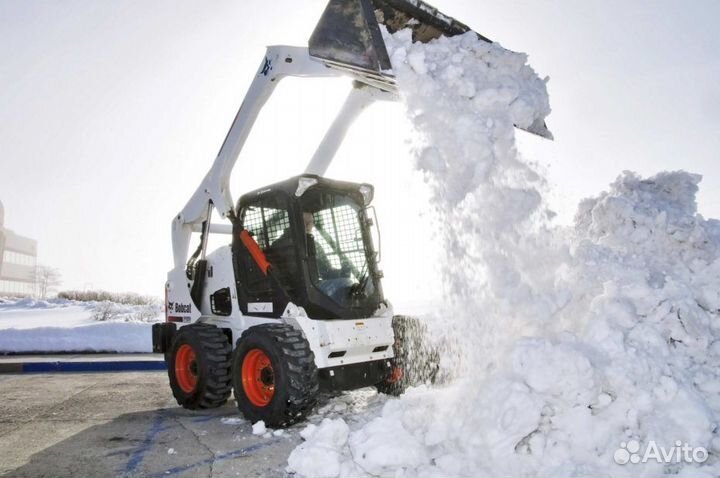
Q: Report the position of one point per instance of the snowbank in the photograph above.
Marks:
(577, 344)
(57, 325)
(105, 337)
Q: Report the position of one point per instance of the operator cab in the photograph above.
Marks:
(316, 235)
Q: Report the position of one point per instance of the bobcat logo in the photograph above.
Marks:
(267, 67)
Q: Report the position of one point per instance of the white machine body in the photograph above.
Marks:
(361, 340)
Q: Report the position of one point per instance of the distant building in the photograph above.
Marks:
(18, 259)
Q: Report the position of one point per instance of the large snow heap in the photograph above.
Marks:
(574, 342)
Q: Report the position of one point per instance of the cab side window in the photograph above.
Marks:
(268, 221)
(267, 224)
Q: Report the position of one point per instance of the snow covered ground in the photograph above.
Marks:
(592, 350)
(29, 325)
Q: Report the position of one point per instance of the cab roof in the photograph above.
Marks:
(297, 185)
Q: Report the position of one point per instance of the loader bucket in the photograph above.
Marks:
(348, 32)
(348, 36)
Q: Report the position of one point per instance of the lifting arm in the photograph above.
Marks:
(359, 98)
(278, 63)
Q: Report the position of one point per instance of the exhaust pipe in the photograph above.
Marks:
(348, 37)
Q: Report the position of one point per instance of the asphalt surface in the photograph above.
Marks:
(126, 425)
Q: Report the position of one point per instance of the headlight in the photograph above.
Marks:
(367, 192)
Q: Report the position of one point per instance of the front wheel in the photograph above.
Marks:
(274, 375)
(415, 362)
(199, 366)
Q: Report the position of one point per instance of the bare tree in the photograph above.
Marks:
(46, 279)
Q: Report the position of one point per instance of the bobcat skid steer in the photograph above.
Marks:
(294, 302)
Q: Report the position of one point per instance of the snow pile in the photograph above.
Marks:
(575, 342)
(60, 325)
(321, 454)
(106, 310)
(24, 303)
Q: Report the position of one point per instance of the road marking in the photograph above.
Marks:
(207, 418)
(225, 456)
(139, 454)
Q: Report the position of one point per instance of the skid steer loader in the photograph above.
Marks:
(294, 302)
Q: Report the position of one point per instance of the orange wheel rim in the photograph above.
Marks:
(186, 368)
(258, 378)
(395, 375)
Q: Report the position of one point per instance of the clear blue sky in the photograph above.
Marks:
(112, 111)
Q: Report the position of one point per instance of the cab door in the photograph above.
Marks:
(268, 220)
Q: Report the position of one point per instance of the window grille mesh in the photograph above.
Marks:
(341, 235)
(266, 224)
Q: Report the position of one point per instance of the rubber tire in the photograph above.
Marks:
(296, 376)
(418, 361)
(213, 354)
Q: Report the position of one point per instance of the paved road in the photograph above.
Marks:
(126, 425)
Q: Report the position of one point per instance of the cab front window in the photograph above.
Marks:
(339, 248)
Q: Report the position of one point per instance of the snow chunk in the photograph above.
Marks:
(258, 428)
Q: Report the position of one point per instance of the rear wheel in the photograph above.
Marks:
(415, 362)
(274, 375)
(199, 366)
